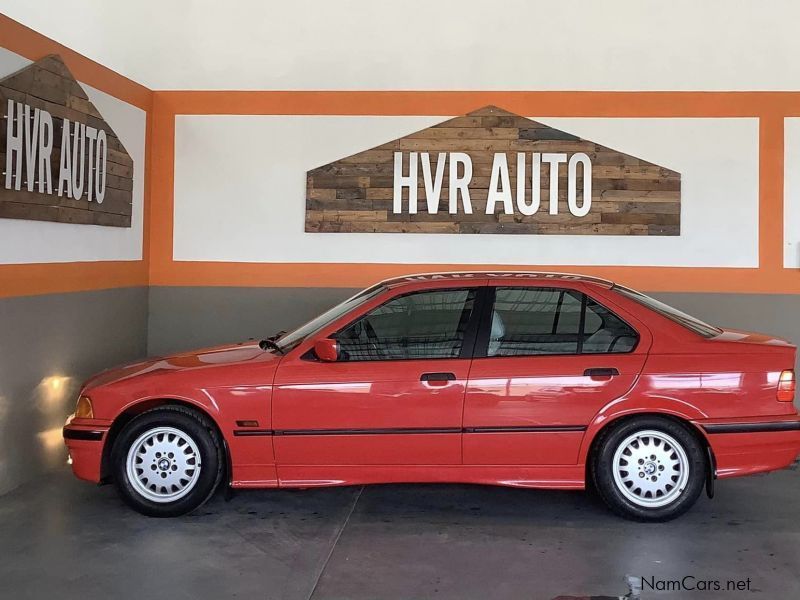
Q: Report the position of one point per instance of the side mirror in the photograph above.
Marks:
(327, 349)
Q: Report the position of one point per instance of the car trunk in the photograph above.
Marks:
(765, 362)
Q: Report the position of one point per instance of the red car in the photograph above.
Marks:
(534, 380)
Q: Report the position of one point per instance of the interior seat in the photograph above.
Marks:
(497, 333)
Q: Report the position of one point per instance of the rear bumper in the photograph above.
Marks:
(85, 446)
(748, 446)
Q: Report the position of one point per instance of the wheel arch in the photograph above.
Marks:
(133, 410)
(594, 433)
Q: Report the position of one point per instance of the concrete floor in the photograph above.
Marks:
(62, 538)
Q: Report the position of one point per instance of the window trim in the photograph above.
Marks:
(470, 333)
(484, 332)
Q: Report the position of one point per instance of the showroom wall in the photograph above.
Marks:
(232, 246)
(73, 297)
(219, 247)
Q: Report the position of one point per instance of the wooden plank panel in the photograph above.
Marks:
(466, 133)
(629, 195)
(48, 85)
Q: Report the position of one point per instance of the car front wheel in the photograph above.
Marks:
(649, 468)
(167, 462)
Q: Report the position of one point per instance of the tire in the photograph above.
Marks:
(668, 468)
(167, 462)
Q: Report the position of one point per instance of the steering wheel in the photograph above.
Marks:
(373, 339)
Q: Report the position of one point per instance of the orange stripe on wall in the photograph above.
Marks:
(453, 103)
(770, 177)
(33, 45)
(359, 275)
(52, 278)
(162, 183)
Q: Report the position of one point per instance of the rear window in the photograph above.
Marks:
(681, 318)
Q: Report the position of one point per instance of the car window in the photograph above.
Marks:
(605, 332)
(529, 321)
(541, 321)
(420, 325)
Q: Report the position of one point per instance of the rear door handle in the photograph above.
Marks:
(438, 377)
(601, 372)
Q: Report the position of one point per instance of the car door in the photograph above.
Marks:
(395, 396)
(547, 359)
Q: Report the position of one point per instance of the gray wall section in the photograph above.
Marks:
(50, 344)
(185, 317)
(182, 318)
(775, 314)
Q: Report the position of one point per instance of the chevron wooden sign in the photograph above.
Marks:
(61, 160)
(492, 171)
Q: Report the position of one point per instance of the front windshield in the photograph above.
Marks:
(291, 339)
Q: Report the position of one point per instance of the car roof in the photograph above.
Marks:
(486, 275)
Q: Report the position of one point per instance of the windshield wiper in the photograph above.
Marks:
(270, 343)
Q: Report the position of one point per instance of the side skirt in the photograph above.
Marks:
(569, 477)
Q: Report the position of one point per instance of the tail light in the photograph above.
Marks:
(786, 385)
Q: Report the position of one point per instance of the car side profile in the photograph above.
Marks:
(538, 380)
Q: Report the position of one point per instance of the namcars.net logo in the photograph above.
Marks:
(690, 583)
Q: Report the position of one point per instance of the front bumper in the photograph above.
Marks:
(749, 446)
(85, 445)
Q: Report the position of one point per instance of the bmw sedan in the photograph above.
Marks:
(537, 380)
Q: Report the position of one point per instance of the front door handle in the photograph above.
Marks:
(601, 372)
(437, 377)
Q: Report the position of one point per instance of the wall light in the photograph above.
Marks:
(51, 439)
(51, 393)
(55, 383)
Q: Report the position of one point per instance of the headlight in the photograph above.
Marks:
(83, 410)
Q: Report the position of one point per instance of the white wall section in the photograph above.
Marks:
(240, 194)
(41, 241)
(442, 45)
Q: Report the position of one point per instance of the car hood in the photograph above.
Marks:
(197, 359)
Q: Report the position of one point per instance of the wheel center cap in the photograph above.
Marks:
(650, 468)
(163, 464)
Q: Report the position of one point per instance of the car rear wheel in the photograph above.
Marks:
(167, 461)
(649, 468)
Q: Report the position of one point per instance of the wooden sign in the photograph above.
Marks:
(492, 171)
(61, 160)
